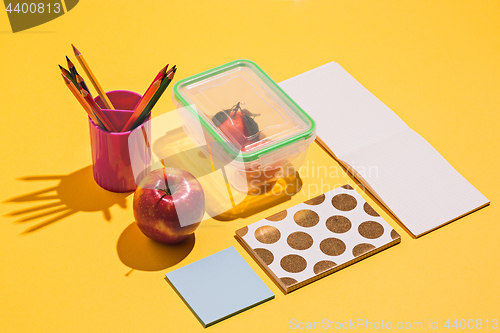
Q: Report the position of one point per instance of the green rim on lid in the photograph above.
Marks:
(282, 122)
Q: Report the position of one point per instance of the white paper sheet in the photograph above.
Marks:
(398, 166)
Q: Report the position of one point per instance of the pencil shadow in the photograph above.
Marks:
(73, 193)
(138, 252)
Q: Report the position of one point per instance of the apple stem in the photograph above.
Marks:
(235, 109)
(165, 190)
(166, 183)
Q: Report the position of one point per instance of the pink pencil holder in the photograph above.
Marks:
(110, 151)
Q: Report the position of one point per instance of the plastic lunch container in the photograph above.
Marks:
(242, 120)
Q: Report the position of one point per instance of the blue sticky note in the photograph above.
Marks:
(219, 286)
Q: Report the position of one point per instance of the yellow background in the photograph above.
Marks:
(73, 261)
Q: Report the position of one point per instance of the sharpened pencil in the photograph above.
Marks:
(82, 84)
(173, 69)
(68, 75)
(75, 75)
(161, 73)
(159, 76)
(80, 98)
(93, 79)
(71, 68)
(147, 110)
(141, 105)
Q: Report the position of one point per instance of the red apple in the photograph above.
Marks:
(238, 125)
(169, 205)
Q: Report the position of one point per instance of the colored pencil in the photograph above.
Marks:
(93, 79)
(97, 110)
(147, 110)
(161, 73)
(77, 92)
(148, 95)
(171, 70)
(142, 104)
(71, 67)
(75, 75)
(80, 98)
(68, 75)
(169, 76)
(82, 84)
(160, 76)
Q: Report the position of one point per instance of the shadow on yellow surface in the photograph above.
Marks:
(75, 192)
(137, 251)
(282, 191)
(222, 201)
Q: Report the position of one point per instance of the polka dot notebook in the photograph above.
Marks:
(318, 237)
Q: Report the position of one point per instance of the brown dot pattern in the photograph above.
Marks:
(344, 202)
(277, 217)
(266, 255)
(315, 201)
(338, 224)
(347, 187)
(293, 263)
(361, 249)
(394, 234)
(323, 265)
(288, 281)
(371, 229)
(242, 232)
(299, 240)
(267, 234)
(306, 218)
(369, 210)
(332, 246)
(317, 237)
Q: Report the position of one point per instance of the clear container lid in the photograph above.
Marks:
(240, 106)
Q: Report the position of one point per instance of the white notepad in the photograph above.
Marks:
(396, 164)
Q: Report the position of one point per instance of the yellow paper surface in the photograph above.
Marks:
(73, 261)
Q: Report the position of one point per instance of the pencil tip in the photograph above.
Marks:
(172, 73)
(75, 50)
(164, 70)
(67, 59)
(60, 67)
